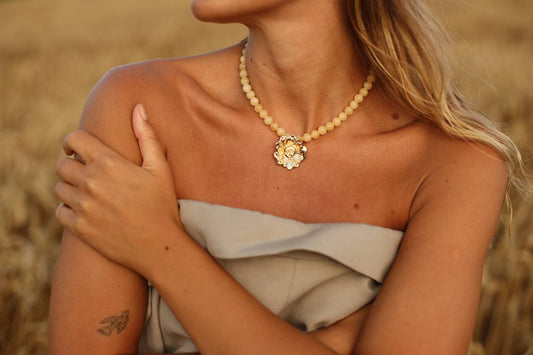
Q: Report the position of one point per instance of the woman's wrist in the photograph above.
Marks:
(168, 254)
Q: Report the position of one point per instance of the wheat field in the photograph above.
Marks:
(52, 52)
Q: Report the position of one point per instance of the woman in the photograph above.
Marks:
(411, 164)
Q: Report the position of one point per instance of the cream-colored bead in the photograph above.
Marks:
(268, 120)
(306, 137)
(348, 110)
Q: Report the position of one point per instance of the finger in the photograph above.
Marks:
(151, 149)
(70, 170)
(65, 215)
(67, 194)
(84, 144)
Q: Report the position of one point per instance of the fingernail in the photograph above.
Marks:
(143, 112)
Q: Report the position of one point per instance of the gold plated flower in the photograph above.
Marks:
(290, 151)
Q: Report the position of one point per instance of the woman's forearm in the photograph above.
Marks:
(217, 312)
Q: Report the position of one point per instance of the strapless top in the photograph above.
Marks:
(310, 274)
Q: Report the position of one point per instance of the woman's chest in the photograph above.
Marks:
(368, 180)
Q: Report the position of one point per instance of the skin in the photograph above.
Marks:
(203, 141)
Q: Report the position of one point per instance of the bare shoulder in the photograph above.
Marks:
(448, 166)
(460, 161)
(445, 153)
(165, 76)
(166, 87)
(464, 183)
(433, 285)
(449, 149)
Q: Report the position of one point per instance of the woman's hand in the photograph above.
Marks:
(113, 205)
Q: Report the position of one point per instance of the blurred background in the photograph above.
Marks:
(53, 51)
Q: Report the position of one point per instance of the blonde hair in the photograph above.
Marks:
(405, 46)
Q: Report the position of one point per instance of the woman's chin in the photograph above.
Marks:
(218, 11)
(232, 11)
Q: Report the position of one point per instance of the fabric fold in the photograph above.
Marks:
(310, 274)
(362, 247)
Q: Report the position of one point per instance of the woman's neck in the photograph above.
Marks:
(304, 68)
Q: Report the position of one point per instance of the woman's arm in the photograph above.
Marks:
(98, 306)
(341, 336)
(428, 302)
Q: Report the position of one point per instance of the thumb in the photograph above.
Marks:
(151, 149)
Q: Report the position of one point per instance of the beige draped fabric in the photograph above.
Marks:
(311, 275)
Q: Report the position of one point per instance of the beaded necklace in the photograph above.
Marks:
(290, 151)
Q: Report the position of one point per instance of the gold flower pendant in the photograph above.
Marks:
(290, 152)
